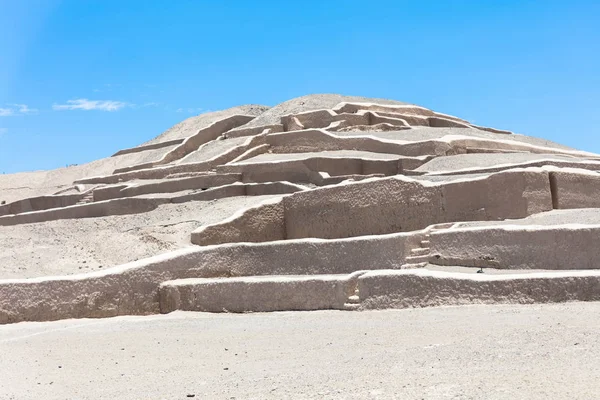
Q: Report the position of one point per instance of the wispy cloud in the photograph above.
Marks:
(24, 109)
(11, 110)
(87, 105)
(3, 131)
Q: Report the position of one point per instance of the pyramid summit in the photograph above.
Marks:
(321, 202)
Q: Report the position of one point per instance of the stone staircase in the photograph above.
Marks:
(87, 198)
(353, 301)
(419, 256)
(89, 195)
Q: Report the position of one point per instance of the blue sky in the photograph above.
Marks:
(81, 79)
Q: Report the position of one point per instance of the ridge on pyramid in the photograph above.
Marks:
(321, 202)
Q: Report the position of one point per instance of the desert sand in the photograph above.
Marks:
(468, 352)
(64, 247)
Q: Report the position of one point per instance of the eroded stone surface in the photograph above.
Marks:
(318, 185)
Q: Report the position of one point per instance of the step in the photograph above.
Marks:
(442, 226)
(417, 259)
(351, 306)
(420, 251)
(87, 199)
(353, 300)
(414, 265)
(425, 243)
(256, 293)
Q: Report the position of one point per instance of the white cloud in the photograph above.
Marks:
(24, 109)
(87, 105)
(16, 109)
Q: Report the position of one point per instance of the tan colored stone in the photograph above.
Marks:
(423, 288)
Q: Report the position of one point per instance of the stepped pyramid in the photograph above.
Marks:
(321, 202)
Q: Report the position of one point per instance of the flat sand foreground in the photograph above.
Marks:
(469, 352)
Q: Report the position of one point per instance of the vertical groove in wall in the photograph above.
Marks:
(553, 190)
(285, 228)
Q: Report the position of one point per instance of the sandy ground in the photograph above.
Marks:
(469, 352)
(72, 246)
